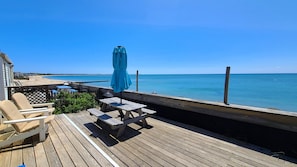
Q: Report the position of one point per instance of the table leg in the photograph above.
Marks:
(121, 114)
(103, 106)
(144, 123)
(126, 116)
(122, 129)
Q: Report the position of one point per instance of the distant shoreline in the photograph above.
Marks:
(39, 80)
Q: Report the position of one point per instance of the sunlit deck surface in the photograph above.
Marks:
(164, 143)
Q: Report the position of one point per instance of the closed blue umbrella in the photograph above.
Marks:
(120, 78)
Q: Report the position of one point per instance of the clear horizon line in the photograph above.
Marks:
(153, 73)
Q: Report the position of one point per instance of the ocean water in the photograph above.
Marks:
(278, 91)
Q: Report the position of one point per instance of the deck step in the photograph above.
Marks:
(113, 122)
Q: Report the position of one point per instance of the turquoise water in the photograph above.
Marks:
(277, 91)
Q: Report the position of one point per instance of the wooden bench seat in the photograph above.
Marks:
(112, 122)
(148, 111)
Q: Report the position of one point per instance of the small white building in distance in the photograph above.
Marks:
(6, 75)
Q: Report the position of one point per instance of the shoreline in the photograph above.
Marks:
(38, 80)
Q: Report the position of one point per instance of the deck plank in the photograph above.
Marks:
(222, 150)
(189, 147)
(78, 146)
(194, 154)
(52, 156)
(158, 156)
(83, 146)
(61, 152)
(29, 156)
(222, 147)
(145, 155)
(173, 152)
(40, 156)
(74, 155)
(16, 157)
(5, 158)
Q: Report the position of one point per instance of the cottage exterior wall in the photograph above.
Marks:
(6, 75)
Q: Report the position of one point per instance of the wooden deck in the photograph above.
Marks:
(164, 143)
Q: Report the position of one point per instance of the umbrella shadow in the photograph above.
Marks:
(100, 133)
(117, 104)
(133, 132)
(104, 133)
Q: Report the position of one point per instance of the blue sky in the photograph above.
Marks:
(160, 36)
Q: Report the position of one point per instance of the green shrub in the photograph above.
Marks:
(71, 103)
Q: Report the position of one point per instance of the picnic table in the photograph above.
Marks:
(65, 88)
(126, 109)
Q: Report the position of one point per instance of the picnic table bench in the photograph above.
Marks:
(113, 122)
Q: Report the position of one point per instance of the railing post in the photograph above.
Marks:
(137, 81)
(9, 93)
(226, 85)
(48, 97)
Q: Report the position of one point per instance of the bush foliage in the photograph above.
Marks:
(73, 103)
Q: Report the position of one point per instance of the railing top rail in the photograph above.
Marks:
(33, 86)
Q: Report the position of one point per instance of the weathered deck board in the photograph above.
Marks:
(179, 150)
(208, 155)
(66, 146)
(70, 148)
(5, 158)
(40, 156)
(87, 151)
(61, 152)
(52, 156)
(16, 157)
(166, 143)
(29, 157)
(82, 154)
(216, 148)
(184, 147)
(148, 151)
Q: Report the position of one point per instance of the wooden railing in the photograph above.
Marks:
(35, 94)
(43, 93)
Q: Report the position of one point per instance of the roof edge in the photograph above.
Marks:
(5, 57)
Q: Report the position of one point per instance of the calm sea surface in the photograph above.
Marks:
(277, 91)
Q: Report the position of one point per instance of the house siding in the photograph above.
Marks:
(6, 75)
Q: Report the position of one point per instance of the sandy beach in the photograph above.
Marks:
(39, 80)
